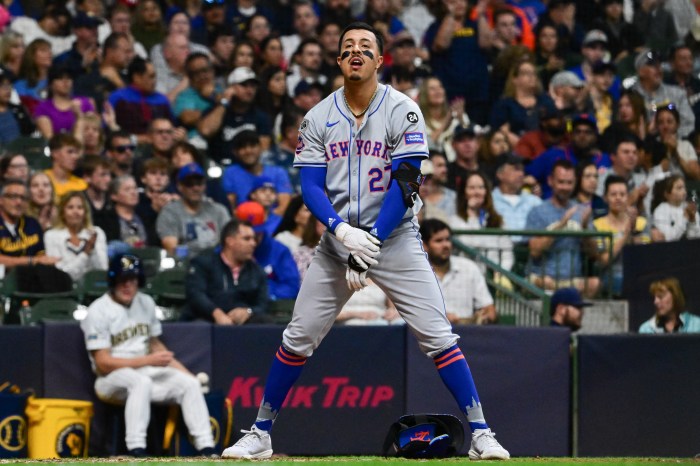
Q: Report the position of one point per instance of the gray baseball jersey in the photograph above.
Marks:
(358, 160)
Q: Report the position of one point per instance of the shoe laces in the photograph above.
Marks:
(249, 437)
(488, 438)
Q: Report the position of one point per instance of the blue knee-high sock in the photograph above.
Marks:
(286, 369)
(455, 374)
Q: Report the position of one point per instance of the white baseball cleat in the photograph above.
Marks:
(486, 447)
(256, 444)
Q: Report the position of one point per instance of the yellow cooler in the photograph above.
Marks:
(58, 428)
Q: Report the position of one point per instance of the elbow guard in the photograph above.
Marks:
(409, 179)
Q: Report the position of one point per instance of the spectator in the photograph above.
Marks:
(21, 236)
(566, 90)
(630, 118)
(494, 147)
(441, 118)
(382, 15)
(585, 192)
(256, 30)
(466, 145)
(369, 306)
(307, 65)
(233, 113)
(467, 298)
(555, 262)
(460, 60)
(562, 13)
(119, 17)
(655, 25)
(305, 20)
(282, 154)
(670, 315)
(98, 177)
(42, 200)
(329, 36)
(549, 56)
(90, 133)
(227, 287)
(163, 137)
(81, 58)
(51, 28)
(60, 112)
(184, 154)
(509, 200)
(681, 75)
(80, 246)
(625, 164)
(65, 153)
(270, 56)
(626, 226)
(196, 99)
(14, 167)
(290, 230)
(304, 254)
(594, 50)
(623, 39)
(122, 225)
(307, 95)
(243, 55)
(518, 110)
(273, 98)
(171, 77)
(439, 201)
(221, 45)
(583, 148)
(14, 119)
(12, 48)
(193, 220)
(132, 364)
(263, 193)
(238, 14)
(600, 101)
(214, 19)
(670, 152)
(566, 306)
(475, 211)
(147, 24)
(155, 179)
(551, 133)
(276, 260)
(33, 72)
(120, 153)
(657, 94)
(673, 217)
(239, 178)
(137, 105)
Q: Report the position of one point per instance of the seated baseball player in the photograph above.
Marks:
(132, 364)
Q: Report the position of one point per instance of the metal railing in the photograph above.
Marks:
(517, 299)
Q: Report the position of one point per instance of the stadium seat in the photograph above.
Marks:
(50, 309)
(33, 149)
(151, 257)
(93, 285)
(167, 288)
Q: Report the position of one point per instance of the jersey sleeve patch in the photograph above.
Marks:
(414, 138)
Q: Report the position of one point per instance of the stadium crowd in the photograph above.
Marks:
(158, 121)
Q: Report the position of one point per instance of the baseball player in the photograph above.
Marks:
(359, 151)
(133, 366)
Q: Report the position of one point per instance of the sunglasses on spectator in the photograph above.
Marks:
(124, 147)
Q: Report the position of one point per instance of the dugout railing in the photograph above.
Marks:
(517, 299)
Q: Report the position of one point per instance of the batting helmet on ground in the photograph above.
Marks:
(424, 436)
(125, 266)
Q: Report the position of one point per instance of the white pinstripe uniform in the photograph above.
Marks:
(358, 163)
(127, 333)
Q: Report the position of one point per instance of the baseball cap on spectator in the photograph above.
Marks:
(253, 213)
(462, 132)
(595, 36)
(647, 57)
(566, 78)
(86, 20)
(569, 296)
(602, 66)
(262, 182)
(403, 39)
(190, 170)
(304, 87)
(584, 119)
(241, 75)
(209, 4)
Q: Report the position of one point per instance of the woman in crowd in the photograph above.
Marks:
(257, 29)
(673, 217)
(491, 149)
(34, 70)
(671, 315)
(80, 245)
(518, 110)
(90, 132)
(123, 227)
(631, 117)
(441, 118)
(475, 211)
(272, 97)
(290, 231)
(270, 55)
(585, 191)
(626, 226)
(60, 111)
(42, 201)
(313, 230)
(549, 58)
(243, 55)
(14, 167)
(11, 53)
(670, 153)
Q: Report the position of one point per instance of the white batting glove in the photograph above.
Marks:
(356, 280)
(362, 246)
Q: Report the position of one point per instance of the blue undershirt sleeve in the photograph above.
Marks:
(313, 183)
(394, 208)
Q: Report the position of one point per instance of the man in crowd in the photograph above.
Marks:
(465, 144)
(82, 56)
(117, 52)
(119, 152)
(65, 153)
(97, 175)
(566, 306)
(509, 200)
(15, 121)
(625, 160)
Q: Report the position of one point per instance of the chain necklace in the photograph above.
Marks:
(359, 115)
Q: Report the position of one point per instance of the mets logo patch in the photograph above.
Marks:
(414, 138)
(304, 125)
